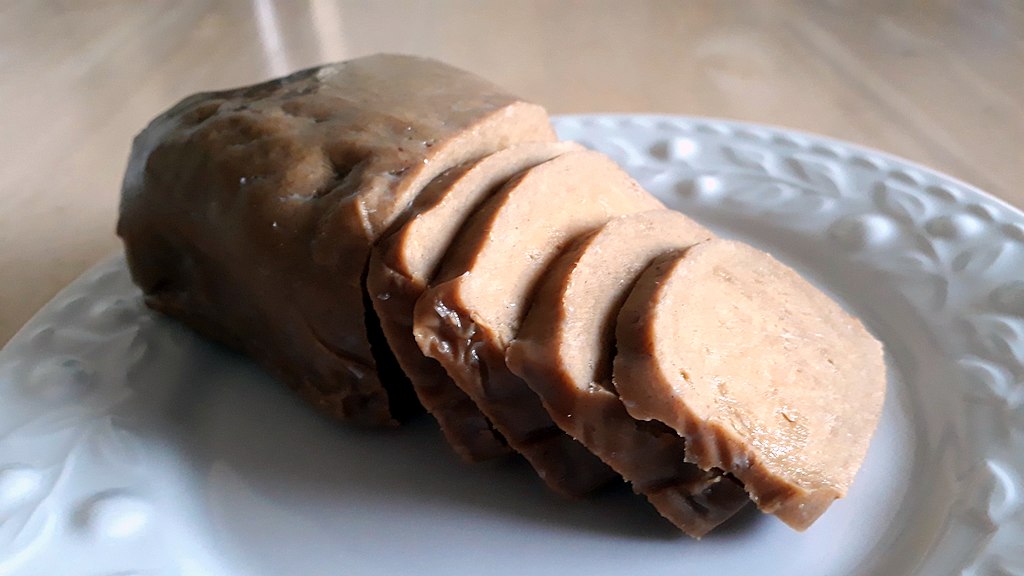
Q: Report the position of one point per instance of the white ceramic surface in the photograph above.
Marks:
(129, 446)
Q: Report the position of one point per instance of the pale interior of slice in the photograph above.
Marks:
(574, 313)
(763, 374)
(416, 248)
(504, 250)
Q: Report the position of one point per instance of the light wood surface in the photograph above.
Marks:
(940, 82)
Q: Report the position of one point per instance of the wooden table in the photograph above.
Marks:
(940, 82)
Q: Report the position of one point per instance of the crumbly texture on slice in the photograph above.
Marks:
(764, 375)
(404, 261)
(564, 351)
(467, 318)
(249, 214)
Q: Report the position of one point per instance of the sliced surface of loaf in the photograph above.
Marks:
(404, 261)
(249, 214)
(564, 351)
(467, 318)
(763, 375)
(353, 223)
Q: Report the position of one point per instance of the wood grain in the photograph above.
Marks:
(940, 82)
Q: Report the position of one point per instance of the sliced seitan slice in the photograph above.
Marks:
(402, 264)
(764, 375)
(564, 351)
(249, 214)
(467, 318)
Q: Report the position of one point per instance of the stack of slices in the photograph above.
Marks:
(390, 234)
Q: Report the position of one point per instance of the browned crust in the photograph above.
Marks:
(515, 411)
(248, 214)
(467, 430)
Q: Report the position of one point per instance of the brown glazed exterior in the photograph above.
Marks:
(762, 374)
(403, 263)
(248, 214)
(467, 318)
(564, 351)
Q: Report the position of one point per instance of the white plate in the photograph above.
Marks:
(129, 446)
